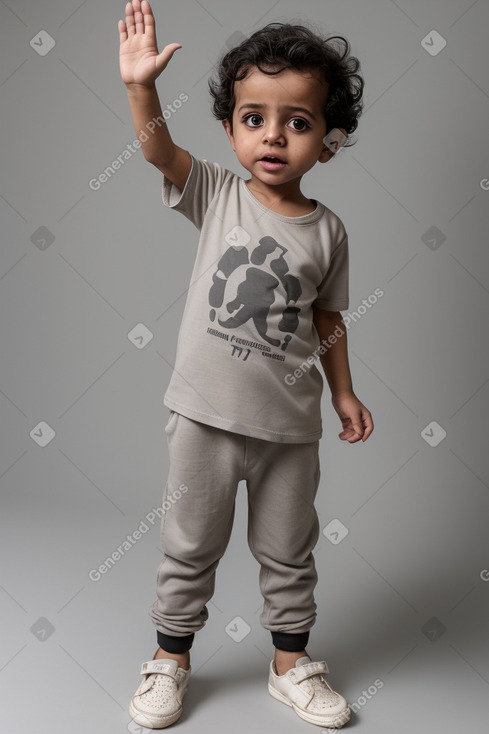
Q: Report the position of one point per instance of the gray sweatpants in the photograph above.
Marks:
(206, 464)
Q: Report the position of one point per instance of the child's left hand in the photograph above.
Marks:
(355, 418)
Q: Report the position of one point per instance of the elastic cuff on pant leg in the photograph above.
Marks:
(291, 642)
(174, 644)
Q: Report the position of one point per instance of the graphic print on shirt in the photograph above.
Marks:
(256, 278)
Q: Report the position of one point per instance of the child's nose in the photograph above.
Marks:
(273, 132)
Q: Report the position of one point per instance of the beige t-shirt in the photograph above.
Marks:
(247, 323)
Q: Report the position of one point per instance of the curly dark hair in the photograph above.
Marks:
(280, 46)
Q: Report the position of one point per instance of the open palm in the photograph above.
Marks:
(140, 62)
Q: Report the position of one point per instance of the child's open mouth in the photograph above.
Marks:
(271, 163)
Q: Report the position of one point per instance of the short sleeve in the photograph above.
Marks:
(203, 183)
(333, 290)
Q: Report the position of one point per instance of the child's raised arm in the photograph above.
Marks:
(140, 66)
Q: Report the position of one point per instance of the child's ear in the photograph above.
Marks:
(333, 141)
(227, 127)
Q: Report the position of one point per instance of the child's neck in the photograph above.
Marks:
(280, 201)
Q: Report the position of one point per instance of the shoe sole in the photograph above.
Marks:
(343, 716)
(153, 722)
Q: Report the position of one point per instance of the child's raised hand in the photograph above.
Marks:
(139, 60)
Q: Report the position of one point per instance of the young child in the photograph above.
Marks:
(269, 281)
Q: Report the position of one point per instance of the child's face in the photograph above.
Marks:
(266, 122)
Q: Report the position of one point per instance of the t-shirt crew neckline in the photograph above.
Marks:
(304, 219)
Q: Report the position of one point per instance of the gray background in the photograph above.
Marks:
(404, 596)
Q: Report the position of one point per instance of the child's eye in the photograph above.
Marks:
(302, 122)
(252, 117)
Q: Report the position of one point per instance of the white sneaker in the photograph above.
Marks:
(306, 690)
(157, 702)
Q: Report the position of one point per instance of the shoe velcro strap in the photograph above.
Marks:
(297, 675)
(157, 666)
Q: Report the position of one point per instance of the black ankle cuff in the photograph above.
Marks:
(174, 644)
(291, 642)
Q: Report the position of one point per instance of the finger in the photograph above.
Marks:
(164, 57)
(348, 435)
(138, 16)
(131, 30)
(366, 434)
(121, 26)
(357, 431)
(369, 426)
(148, 18)
(357, 425)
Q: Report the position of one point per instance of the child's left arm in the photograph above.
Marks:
(356, 419)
